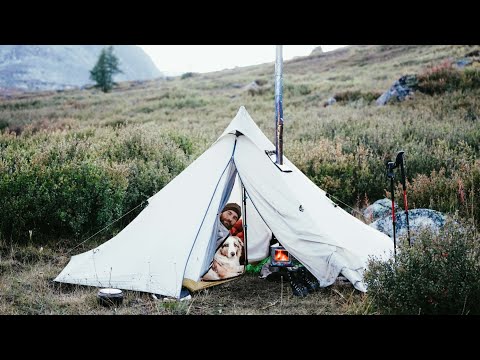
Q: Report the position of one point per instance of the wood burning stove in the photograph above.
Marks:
(280, 256)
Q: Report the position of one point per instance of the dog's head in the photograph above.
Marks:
(232, 247)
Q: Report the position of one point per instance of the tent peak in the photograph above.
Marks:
(242, 110)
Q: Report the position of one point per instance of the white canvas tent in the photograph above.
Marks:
(173, 238)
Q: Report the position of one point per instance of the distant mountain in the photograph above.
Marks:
(54, 67)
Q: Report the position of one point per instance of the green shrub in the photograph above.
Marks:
(3, 124)
(304, 89)
(296, 90)
(445, 78)
(184, 142)
(20, 105)
(459, 191)
(439, 81)
(187, 75)
(261, 82)
(65, 200)
(471, 79)
(349, 96)
(347, 175)
(70, 185)
(437, 275)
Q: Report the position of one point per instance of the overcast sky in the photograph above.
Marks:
(179, 59)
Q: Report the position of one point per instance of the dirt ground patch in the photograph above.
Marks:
(250, 295)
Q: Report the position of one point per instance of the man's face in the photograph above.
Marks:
(228, 218)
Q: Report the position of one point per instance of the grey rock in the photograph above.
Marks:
(419, 219)
(317, 51)
(329, 102)
(253, 88)
(379, 209)
(400, 90)
(463, 62)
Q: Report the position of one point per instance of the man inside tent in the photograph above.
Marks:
(228, 219)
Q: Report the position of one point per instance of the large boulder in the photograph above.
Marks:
(379, 209)
(419, 219)
(400, 90)
(256, 87)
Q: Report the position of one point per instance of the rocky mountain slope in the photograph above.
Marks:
(55, 67)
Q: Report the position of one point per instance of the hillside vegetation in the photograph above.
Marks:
(72, 162)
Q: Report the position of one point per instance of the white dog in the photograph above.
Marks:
(226, 262)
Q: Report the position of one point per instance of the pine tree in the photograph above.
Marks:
(103, 71)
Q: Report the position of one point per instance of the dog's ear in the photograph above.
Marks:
(240, 247)
(238, 240)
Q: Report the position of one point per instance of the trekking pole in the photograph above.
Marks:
(400, 160)
(391, 176)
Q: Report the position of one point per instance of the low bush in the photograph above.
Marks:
(349, 96)
(438, 274)
(445, 78)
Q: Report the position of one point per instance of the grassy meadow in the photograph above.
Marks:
(72, 162)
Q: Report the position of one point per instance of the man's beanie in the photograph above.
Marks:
(233, 207)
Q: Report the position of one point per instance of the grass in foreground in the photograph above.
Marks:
(26, 288)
